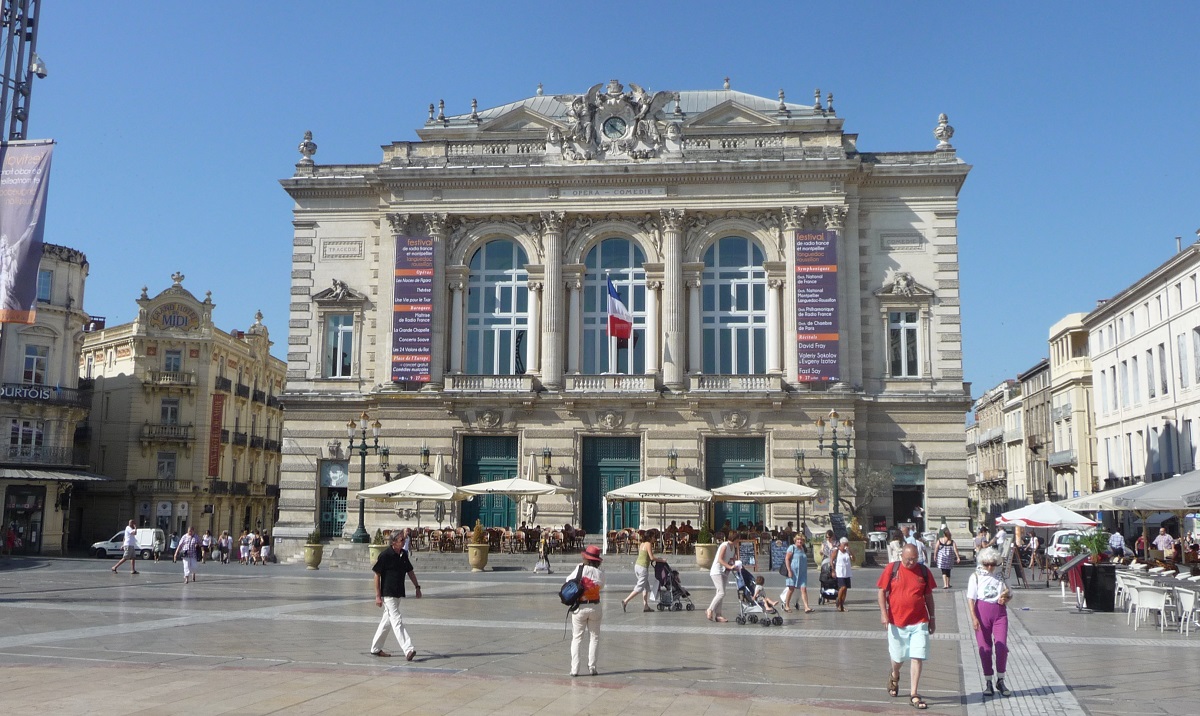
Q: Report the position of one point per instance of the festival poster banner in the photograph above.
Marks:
(412, 310)
(214, 434)
(817, 336)
(24, 180)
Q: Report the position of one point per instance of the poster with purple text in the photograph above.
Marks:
(24, 179)
(412, 310)
(816, 306)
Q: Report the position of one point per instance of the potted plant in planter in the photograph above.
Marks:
(706, 550)
(1092, 543)
(313, 550)
(1099, 580)
(378, 544)
(477, 548)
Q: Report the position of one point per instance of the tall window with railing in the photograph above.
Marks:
(734, 308)
(621, 261)
(497, 310)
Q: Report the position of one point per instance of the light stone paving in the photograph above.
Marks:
(74, 639)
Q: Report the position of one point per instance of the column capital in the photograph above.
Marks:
(672, 219)
(794, 217)
(835, 216)
(438, 224)
(551, 221)
(535, 285)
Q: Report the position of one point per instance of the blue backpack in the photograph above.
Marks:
(572, 590)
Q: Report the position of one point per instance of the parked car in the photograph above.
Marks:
(1057, 547)
(149, 541)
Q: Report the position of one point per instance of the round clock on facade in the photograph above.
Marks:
(614, 128)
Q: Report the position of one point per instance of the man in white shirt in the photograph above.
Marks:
(129, 548)
(909, 538)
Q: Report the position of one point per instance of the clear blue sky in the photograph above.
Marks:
(176, 120)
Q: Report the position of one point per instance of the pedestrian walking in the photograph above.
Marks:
(585, 616)
(266, 548)
(841, 570)
(796, 560)
(946, 556)
(244, 548)
(722, 563)
(206, 544)
(987, 598)
(982, 540)
(129, 548)
(906, 609)
(390, 569)
(256, 544)
(225, 545)
(187, 550)
(641, 572)
(895, 546)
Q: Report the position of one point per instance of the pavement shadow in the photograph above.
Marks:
(15, 564)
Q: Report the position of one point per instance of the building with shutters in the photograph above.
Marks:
(457, 291)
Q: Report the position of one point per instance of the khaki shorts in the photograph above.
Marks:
(129, 553)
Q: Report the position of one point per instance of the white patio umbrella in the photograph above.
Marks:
(416, 487)
(516, 488)
(660, 490)
(1044, 514)
(763, 490)
(1105, 500)
(1178, 494)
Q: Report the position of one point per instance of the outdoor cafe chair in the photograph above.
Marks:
(1152, 599)
(1186, 598)
(1131, 601)
(1156, 570)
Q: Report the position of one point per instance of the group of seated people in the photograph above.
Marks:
(524, 538)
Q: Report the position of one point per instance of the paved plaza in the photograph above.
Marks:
(75, 639)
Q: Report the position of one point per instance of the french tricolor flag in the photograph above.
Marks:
(620, 322)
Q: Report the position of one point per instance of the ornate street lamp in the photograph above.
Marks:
(672, 462)
(425, 458)
(360, 535)
(840, 451)
(546, 465)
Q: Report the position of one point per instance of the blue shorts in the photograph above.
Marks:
(910, 642)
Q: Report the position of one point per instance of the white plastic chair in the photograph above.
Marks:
(1156, 570)
(1122, 592)
(1186, 598)
(1139, 567)
(1152, 599)
(1131, 602)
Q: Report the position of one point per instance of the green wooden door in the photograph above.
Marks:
(488, 458)
(608, 463)
(730, 460)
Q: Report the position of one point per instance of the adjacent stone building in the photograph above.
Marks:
(1035, 409)
(458, 292)
(1071, 460)
(41, 407)
(185, 419)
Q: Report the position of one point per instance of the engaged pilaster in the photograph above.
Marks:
(674, 335)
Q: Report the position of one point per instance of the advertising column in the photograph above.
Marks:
(412, 310)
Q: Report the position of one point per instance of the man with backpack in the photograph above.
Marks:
(586, 612)
(906, 609)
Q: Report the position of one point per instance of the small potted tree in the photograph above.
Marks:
(477, 548)
(313, 550)
(706, 550)
(1099, 580)
(378, 544)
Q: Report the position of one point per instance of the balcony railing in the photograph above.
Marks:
(258, 489)
(994, 474)
(259, 396)
(224, 384)
(256, 441)
(239, 488)
(271, 446)
(219, 487)
(273, 402)
(272, 491)
(611, 383)
(224, 437)
(171, 378)
(240, 439)
(1062, 458)
(242, 391)
(49, 394)
(736, 383)
(490, 383)
(169, 433)
(43, 455)
(162, 485)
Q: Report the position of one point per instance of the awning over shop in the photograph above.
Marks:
(20, 473)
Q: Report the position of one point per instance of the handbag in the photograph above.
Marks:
(783, 572)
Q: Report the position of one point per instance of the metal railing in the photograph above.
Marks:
(241, 391)
(240, 439)
(43, 455)
(33, 393)
(1062, 458)
(224, 384)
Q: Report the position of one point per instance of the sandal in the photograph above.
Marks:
(917, 702)
(893, 686)
(809, 611)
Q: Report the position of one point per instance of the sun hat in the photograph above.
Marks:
(591, 552)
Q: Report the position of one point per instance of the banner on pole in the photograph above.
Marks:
(24, 179)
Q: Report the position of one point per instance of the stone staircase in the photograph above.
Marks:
(356, 557)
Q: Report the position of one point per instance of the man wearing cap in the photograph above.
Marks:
(586, 615)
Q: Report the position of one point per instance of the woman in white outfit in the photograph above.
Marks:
(586, 615)
(722, 563)
(188, 548)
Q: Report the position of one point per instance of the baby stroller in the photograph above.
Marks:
(671, 594)
(829, 585)
(751, 610)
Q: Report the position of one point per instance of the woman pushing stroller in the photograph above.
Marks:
(641, 572)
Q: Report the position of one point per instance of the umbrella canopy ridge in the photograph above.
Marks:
(415, 487)
(1044, 514)
(1104, 500)
(659, 489)
(515, 487)
(763, 490)
(1181, 492)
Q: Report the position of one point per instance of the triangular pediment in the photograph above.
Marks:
(521, 119)
(901, 287)
(732, 114)
(339, 292)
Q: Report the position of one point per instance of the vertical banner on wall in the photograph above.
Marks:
(24, 179)
(412, 310)
(816, 306)
(214, 435)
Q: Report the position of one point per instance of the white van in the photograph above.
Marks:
(149, 542)
(1057, 547)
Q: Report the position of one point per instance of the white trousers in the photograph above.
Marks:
(715, 606)
(189, 566)
(391, 619)
(587, 616)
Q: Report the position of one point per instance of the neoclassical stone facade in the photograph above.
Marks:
(457, 292)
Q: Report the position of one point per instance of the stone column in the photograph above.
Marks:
(457, 284)
(535, 327)
(652, 326)
(695, 361)
(554, 323)
(574, 283)
(438, 231)
(673, 305)
(774, 289)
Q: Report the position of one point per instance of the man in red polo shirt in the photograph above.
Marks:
(906, 609)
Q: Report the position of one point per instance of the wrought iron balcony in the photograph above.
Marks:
(224, 384)
(256, 441)
(242, 391)
(259, 396)
(218, 487)
(273, 402)
(43, 455)
(225, 437)
(272, 491)
(240, 439)
(271, 446)
(239, 488)
(611, 384)
(1062, 458)
(46, 394)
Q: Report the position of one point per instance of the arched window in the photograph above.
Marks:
(497, 310)
(621, 261)
(734, 309)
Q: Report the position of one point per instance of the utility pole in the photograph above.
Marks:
(18, 45)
